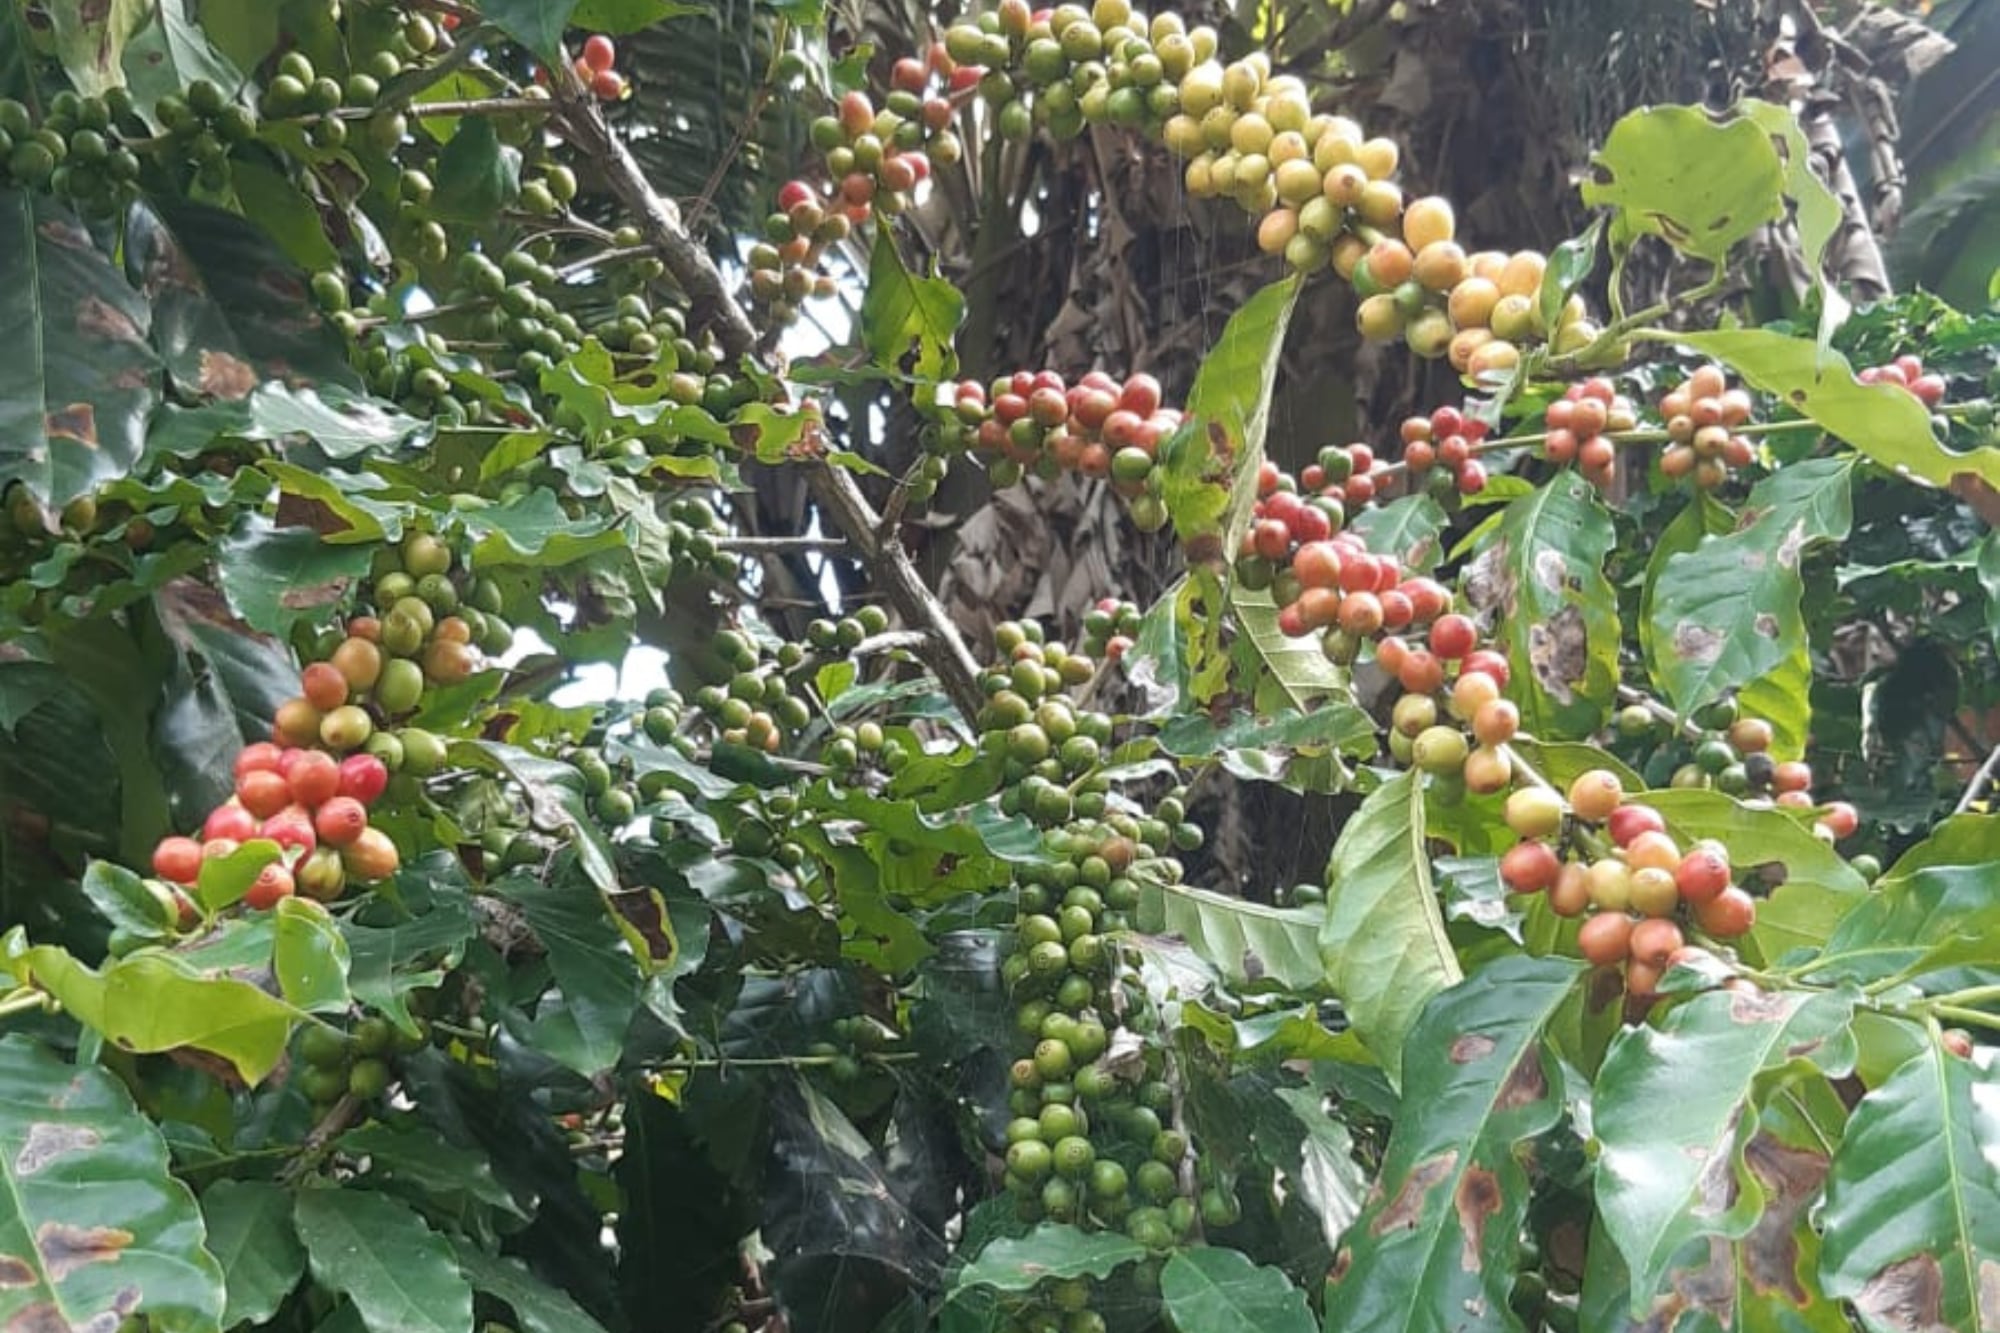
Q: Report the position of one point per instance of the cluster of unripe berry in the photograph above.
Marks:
(748, 698)
(1051, 747)
(1036, 421)
(1579, 424)
(1613, 863)
(876, 156)
(1110, 627)
(79, 152)
(1070, 66)
(1730, 752)
(361, 1064)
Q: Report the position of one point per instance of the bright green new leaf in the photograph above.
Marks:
(1383, 942)
(901, 309)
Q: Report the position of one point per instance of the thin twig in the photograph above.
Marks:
(1980, 782)
(779, 545)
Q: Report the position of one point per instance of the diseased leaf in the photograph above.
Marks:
(1543, 578)
(1383, 942)
(92, 1227)
(1222, 1291)
(1677, 173)
(1408, 527)
(1436, 1246)
(401, 1276)
(250, 1234)
(79, 377)
(1911, 1227)
(1663, 1180)
(276, 577)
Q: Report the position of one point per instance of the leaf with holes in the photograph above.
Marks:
(1223, 1291)
(1883, 421)
(1816, 209)
(1249, 943)
(93, 1229)
(79, 377)
(1665, 1180)
(1543, 577)
(901, 309)
(1436, 1246)
(1912, 1216)
(1208, 468)
(1728, 612)
(1383, 942)
(401, 1276)
(1677, 173)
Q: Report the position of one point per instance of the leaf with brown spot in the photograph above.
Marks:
(1912, 1215)
(1542, 577)
(1664, 1180)
(1440, 1243)
(92, 1224)
(78, 380)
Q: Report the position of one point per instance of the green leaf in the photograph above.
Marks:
(167, 55)
(1677, 173)
(1266, 749)
(537, 1306)
(1558, 615)
(276, 577)
(80, 378)
(92, 1226)
(225, 879)
(477, 175)
(619, 17)
(90, 39)
(1819, 885)
(1816, 210)
(309, 957)
(439, 1173)
(900, 308)
(1407, 527)
(1915, 922)
(1728, 612)
(1883, 421)
(535, 24)
(1436, 1246)
(1663, 1180)
(1298, 668)
(1051, 1252)
(1568, 268)
(1383, 942)
(1221, 1291)
(250, 1234)
(230, 310)
(1911, 1225)
(401, 1275)
(1208, 468)
(126, 901)
(151, 1002)
(598, 980)
(342, 424)
(1246, 942)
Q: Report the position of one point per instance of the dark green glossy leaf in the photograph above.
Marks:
(1663, 1180)
(1543, 574)
(1436, 1246)
(250, 1234)
(535, 24)
(477, 175)
(1222, 1291)
(901, 309)
(1383, 942)
(1912, 1219)
(441, 1174)
(92, 1227)
(401, 1276)
(170, 52)
(1568, 268)
(599, 984)
(1248, 943)
(1727, 613)
(1298, 669)
(76, 388)
(1934, 909)
(276, 577)
(537, 1306)
(1260, 749)
(386, 963)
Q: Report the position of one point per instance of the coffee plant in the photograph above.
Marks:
(371, 969)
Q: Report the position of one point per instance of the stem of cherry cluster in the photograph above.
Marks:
(1628, 695)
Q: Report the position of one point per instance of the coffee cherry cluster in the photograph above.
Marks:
(1703, 415)
(748, 699)
(1579, 425)
(333, 1063)
(1052, 748)
(784, 266)
(77, 152)
(1072, 66)
(1442, 445)
(1729, 751)
(1110, 627)
(877, 156)
(1036, 421)
(1637, 893)
(1908, 372)
(595, 68)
